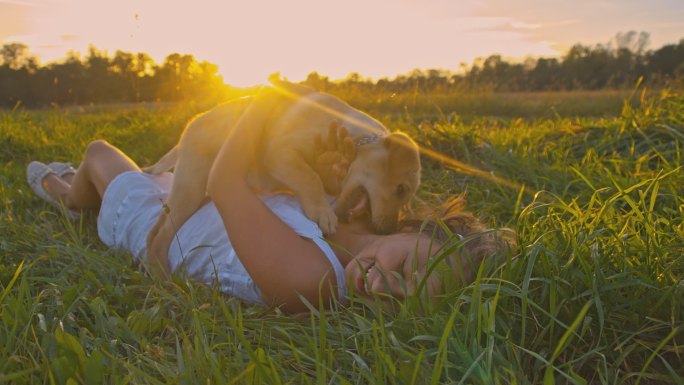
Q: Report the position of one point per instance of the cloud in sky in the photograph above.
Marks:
(590, 22)
(250, 39)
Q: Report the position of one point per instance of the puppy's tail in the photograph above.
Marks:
(164, 164)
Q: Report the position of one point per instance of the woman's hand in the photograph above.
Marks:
(333, 157)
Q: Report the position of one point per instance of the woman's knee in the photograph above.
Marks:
(103, 161)
(94, 152)
(97, 146)
(97, 149)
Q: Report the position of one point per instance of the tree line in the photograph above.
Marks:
(100, 78)
(619, 64)
(135, 77)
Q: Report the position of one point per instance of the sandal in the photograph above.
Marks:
(35, 174)
(61, 169)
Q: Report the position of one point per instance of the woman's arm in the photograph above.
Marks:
(282, 264)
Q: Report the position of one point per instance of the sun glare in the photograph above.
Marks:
(446, 160)
(250, 40)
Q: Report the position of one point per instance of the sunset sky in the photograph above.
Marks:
(250, 39)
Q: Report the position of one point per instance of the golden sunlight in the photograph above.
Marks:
(384, 38)
(249, 40)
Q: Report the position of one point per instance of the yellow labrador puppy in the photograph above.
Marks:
(382, 178)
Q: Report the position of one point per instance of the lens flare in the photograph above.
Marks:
(447, 161)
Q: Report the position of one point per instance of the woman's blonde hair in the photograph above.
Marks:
(449, 224)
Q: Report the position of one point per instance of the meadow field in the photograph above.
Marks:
(592, 184)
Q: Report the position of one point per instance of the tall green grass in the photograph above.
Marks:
(593, 294)
(507, 105)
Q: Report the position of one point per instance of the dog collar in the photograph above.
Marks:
(366, 139)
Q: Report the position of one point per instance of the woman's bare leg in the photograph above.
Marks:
(101, 164)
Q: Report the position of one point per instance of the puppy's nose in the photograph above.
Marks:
(384, 225)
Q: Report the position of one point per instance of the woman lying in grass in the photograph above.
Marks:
(263, 249)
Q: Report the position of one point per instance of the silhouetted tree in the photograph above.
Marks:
(98, 78)
(667, 62)
(314, 80)
(17, 56)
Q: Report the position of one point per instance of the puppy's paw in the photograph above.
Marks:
(324, 216)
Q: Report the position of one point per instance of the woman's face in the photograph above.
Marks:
(394, 264)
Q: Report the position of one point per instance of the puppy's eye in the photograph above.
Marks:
(401, 190)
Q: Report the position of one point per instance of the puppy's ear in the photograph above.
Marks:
(402, 149)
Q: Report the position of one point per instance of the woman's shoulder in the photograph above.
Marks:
(289, 209)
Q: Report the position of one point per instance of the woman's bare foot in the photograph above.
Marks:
(49, 186)
(57, 187)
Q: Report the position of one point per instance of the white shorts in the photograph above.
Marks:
(130, 206)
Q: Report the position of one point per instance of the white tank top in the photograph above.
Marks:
(203, 251)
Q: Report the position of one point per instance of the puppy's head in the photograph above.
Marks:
(383, 177)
